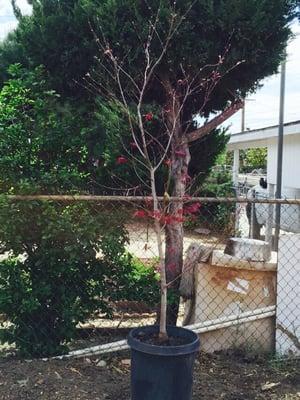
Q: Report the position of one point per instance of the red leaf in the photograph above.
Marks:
(121, 160)
(149, 117)
(179, 219)
(192, 208)
(168, 219)
(172, 219)
(140, 214)
(156, 215)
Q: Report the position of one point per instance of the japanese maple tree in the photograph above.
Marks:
(178, 69)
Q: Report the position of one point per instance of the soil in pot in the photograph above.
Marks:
(155, 340)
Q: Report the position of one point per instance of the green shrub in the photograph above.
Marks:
(65, 262)
(59, 281)
(218, 215)
(137, 282)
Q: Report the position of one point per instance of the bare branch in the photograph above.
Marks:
(215, 122)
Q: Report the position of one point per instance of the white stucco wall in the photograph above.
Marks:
(290, 167)
(288, 295)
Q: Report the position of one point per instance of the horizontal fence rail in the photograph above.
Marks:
(95, 198)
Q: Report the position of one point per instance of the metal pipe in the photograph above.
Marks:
(270, 218)
(234, 322)
(232, 317)
(280, 153)
(252, 219)
(243, 117)
(202, 327)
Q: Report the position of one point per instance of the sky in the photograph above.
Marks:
(7, 19)
(262, 108)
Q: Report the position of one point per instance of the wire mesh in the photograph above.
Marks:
(77, 273)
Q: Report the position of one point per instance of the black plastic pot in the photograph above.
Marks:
(161, 372)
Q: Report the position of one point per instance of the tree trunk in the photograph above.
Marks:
(174, 232)
(180, 158)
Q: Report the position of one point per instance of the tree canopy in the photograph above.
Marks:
(249, 36)
(57, 36)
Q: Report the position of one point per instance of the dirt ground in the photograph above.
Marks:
(230, 376)
(143, 244)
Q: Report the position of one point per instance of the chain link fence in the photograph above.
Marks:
(77, 273)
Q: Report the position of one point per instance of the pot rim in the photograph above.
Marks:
(185, 349)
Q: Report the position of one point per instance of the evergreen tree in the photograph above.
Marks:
(58, 36)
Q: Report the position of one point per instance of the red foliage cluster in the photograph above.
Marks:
(171, 219)
(140, 214)
(192, 209)
(149, 117)
(167, 218)
(121, 160)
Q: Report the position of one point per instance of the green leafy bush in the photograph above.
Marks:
(218, 215)
(42, 139)
(65, 262)
(57, 281)
(137, 282)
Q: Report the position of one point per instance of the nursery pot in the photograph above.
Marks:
(162, 372)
